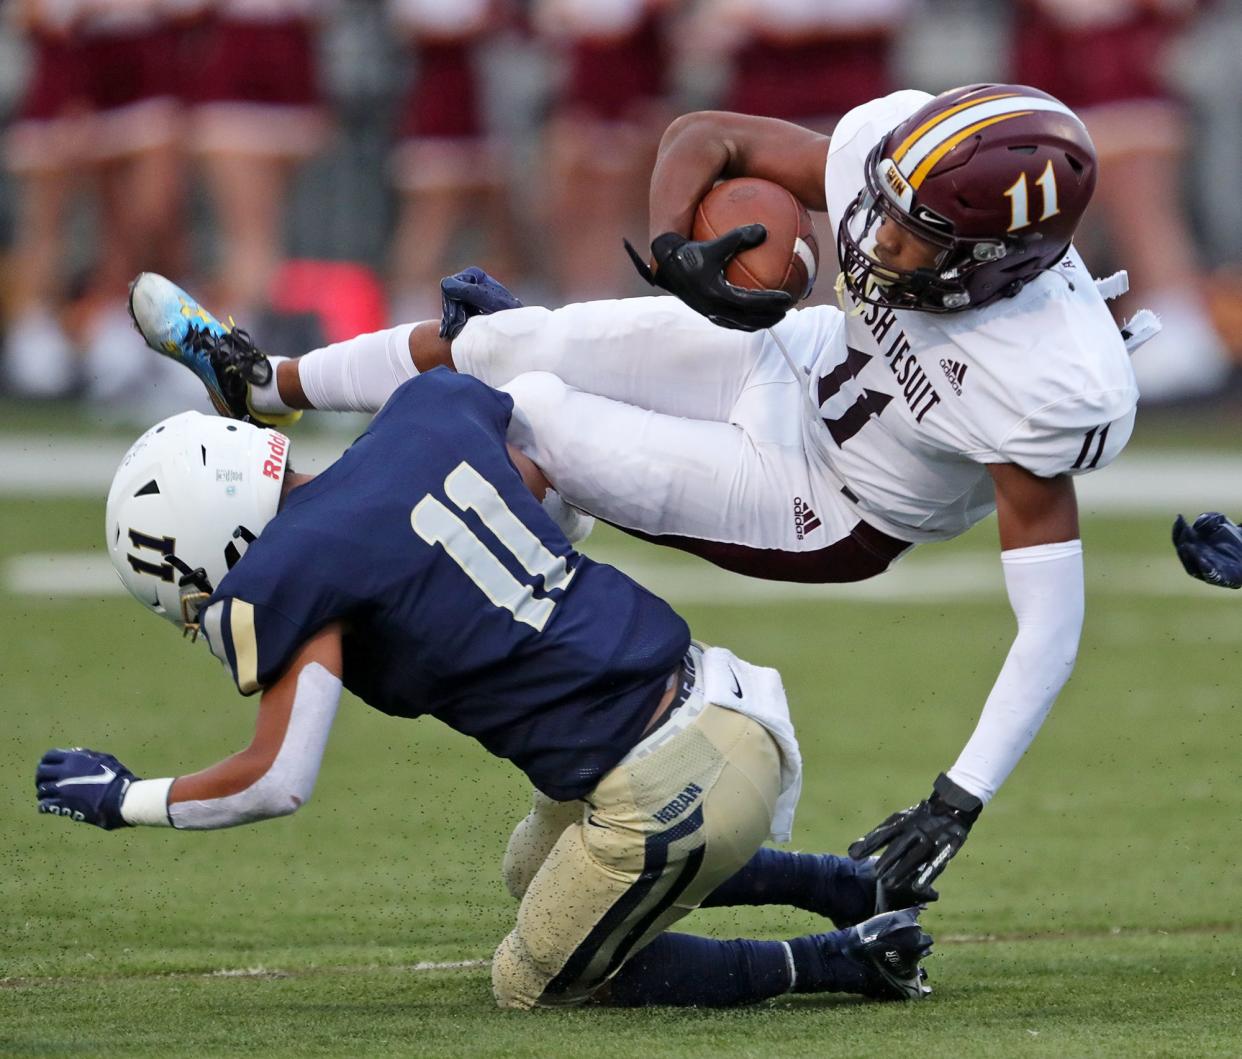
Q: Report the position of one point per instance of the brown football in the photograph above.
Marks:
(788, 259)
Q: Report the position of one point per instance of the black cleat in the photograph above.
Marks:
(891, 944)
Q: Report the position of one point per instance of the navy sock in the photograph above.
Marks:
(823, 964)
(681, 970)
(837, 887)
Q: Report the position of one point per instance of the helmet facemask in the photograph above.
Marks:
(941, 288)
(994, 177)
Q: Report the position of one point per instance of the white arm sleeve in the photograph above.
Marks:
(285, 786)
(357, 375)
(1045, 585)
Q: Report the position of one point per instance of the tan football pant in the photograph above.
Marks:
(601, 878)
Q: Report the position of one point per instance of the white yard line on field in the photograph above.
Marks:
(1156, 483)
(921, 578)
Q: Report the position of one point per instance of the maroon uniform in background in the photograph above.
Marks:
(441, 135)
(256, 81)
(40, 149)
(615, 70)
(609, 107)
(131, 74)
(448, 166)
(1111, 61)
(807, 61)
(1105, 54)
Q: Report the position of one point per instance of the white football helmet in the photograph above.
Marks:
(189, 496)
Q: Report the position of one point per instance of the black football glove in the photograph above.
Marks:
(694, 271)
(920, 841)
(87, 786)
(1211, 549)
(471, 292)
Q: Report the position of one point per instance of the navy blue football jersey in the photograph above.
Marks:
(459, 596)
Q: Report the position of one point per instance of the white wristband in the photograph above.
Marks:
(146, 803)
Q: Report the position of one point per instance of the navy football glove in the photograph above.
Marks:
(694, 271)
(920, 841)
(471, 292)
(85, 785)
(1211, 549)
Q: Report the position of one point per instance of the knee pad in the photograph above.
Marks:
(532, 840)
(518, 868)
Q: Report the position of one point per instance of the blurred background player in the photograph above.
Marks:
(611, 64)
(256, 117)
(569, 154)
(450, 172)
(38, 360)
(1108, 59)
(131, 66)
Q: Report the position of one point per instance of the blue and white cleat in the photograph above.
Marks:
(224, 358)
(891, 944)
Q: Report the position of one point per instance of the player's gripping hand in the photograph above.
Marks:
(471, 292)
(694, 271)
(1211, 549)
(919, 842)
(85, 785)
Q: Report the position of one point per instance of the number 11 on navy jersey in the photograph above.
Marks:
(435, 523)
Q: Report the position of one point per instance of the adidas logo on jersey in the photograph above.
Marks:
(805, 520)
(955, 372)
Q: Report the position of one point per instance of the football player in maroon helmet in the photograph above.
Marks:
(955, 175)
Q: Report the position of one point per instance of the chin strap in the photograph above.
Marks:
(195, 589)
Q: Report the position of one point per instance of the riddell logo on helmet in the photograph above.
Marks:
(277, 446)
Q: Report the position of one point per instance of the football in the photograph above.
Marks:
(788, 259)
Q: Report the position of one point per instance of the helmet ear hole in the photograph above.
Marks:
(150, 489)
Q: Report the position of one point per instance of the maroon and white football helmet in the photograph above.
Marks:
(996, 176)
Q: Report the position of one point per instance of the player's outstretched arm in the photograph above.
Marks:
(273, 776)
(1042, 558)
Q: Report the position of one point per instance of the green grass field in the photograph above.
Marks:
(1095, 910)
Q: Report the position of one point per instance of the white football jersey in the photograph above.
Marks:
(913, 406)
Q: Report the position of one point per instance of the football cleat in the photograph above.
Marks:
(891, 945)
(225, 359)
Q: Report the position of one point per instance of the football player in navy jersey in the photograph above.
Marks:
(421, 572)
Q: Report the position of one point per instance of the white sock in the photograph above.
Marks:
(359, 374)
(267, 398)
